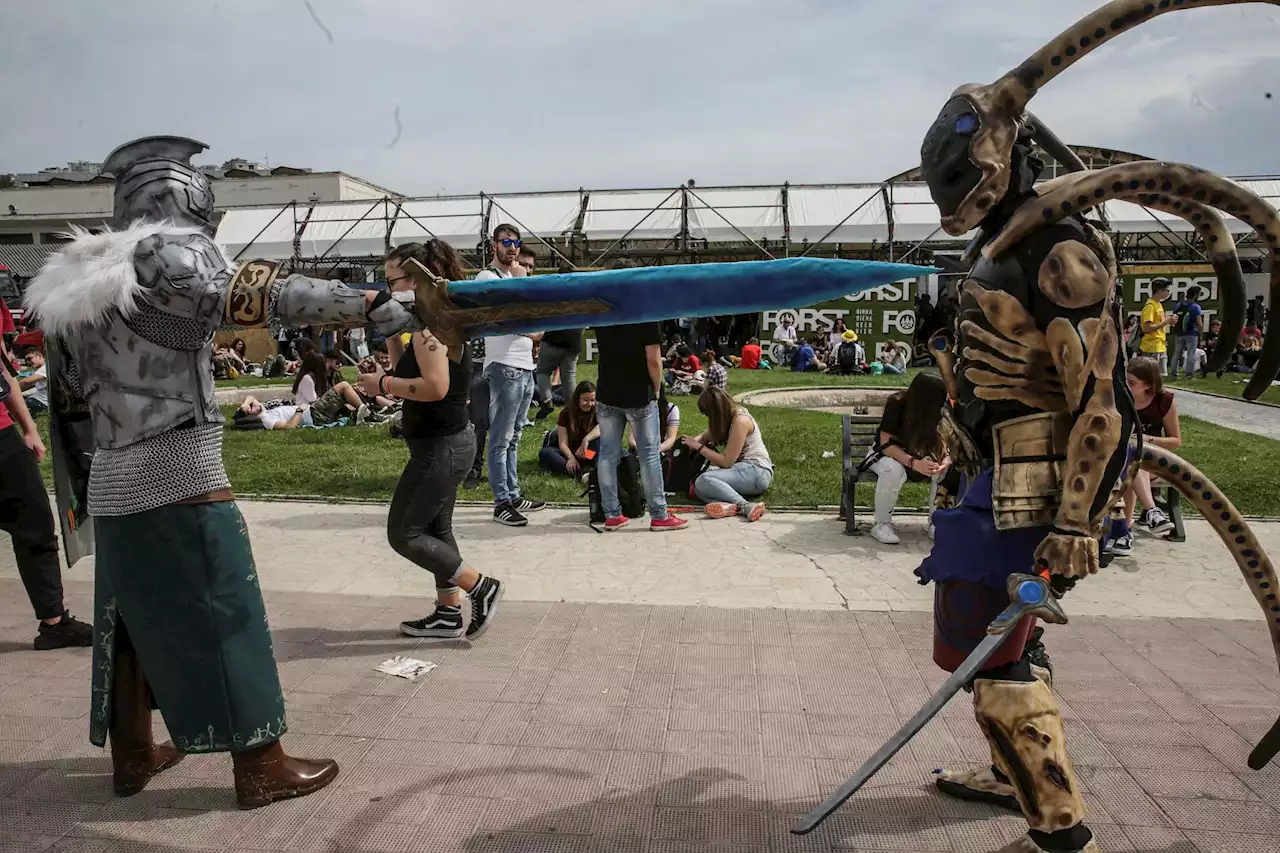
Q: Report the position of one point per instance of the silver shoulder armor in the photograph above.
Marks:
(183, 280)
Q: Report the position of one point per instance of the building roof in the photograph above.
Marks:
(27, 260)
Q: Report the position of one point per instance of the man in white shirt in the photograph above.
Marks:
(35, 385)
(508, 368)
(785, 334)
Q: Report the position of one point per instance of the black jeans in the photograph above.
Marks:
(420, 523)
(26, 517)
(478, 408)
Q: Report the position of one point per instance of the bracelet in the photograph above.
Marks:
(382, 382)
(911, 466)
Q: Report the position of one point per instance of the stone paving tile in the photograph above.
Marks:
(560, 733)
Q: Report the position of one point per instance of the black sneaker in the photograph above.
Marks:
(444, 623)
(530, 505)
(70, 633)
(1156, 521)
(544, 411)
(472, 481)
(510, 516)
(485, 596)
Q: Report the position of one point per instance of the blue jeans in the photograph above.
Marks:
(644, 425)
(1184, 355)
(733, 485)
(510, 390)
(894, 370)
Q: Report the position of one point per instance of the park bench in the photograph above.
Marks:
(858, 437)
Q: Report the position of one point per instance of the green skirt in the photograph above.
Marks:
(178, 585)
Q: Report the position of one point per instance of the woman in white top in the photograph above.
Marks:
(742, 470)
(331, 403)
(836, 338)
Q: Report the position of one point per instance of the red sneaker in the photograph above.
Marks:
(616, 523)
(668, 523)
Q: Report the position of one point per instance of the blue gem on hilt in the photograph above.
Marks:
(966, 124)
(1031, 592)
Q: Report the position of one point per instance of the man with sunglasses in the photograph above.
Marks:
(508, 370)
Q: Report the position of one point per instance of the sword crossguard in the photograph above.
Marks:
(1029, 595)
(434, 307)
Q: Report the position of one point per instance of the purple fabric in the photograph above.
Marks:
(967, 547)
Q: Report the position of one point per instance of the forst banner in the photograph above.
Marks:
(879, 315)
(1136, 281)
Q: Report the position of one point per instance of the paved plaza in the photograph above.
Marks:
(696, 691)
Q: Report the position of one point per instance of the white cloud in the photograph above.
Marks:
(559, 94)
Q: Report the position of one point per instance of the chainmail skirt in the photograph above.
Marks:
(180, 583)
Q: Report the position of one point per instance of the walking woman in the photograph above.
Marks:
(442, 445)
(742, 470)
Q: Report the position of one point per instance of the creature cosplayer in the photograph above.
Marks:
(180, 619)
(1043, 424)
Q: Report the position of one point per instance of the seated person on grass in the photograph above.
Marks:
(742, 470)
(894, 358)
(805, 359)
(311, 388)
(1158, 417)
(850, 357)
(252, 414)
(576, 438)
(751, 354)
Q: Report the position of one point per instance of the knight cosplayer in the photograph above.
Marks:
(180, 622)
(1043, 424)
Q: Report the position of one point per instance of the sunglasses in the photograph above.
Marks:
(391, 281)
(507, 242)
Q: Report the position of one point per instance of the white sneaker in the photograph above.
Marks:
(885, 534)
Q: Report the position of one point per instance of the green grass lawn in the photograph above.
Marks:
(365, 463)
(1230, 385)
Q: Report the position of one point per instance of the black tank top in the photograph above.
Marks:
(445, 416)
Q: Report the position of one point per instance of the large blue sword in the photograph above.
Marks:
(457, 310)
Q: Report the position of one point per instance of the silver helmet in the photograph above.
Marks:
(156, 181)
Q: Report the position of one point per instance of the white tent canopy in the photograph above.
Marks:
(836, 213)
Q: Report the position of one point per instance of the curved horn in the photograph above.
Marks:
(1255, 565)
(1166, 183)
(1085, 36)
(1054, 146)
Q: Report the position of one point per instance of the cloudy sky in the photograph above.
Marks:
(429, 96)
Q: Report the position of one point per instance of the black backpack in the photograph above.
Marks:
(681, 467)
(630, 491)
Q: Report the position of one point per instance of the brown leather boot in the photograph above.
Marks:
(134, 756)
(266, 774)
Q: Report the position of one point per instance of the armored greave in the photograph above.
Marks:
(1023, 724)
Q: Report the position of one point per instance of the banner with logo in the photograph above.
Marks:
(879, 315)
(1135, 281)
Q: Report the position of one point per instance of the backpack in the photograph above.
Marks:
(847, 356)
(681, 467)
(630, 491)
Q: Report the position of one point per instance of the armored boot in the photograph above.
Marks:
(265, 774)
(1023, 724)
(989, 784)
(134, 756)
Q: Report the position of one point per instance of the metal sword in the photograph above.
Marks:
(1028, 596)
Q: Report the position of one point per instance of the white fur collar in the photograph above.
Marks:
(89, 278)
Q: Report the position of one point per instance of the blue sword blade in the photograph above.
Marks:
(649, 294)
